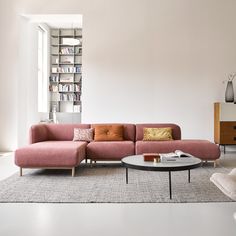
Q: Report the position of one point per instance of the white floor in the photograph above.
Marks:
(116, 219)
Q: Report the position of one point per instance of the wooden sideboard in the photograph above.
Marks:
(225, 124)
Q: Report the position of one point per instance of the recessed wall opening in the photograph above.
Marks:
(59, 66)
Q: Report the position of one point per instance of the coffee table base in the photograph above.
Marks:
(170, 187)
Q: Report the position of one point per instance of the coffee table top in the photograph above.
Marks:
(137, 162)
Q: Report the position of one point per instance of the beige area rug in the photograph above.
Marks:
(106, 184)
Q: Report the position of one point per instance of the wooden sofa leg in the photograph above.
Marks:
(215, 164)
(21, 171)
(73, 172)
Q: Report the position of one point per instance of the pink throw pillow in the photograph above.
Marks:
(83, 134)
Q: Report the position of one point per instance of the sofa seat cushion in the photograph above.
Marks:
(226, 183)
(112, 150)
(202, 149)
(51, 154)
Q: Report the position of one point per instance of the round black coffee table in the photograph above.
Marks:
(137, 162)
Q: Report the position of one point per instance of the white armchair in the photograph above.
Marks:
(226, 183)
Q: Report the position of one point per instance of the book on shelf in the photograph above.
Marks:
(54, 70)
(53, 78)
(67, 79)
(177, 155)
(67, 97)
(53, 88)
(76, 108)
(71, 41)
(78, 50)
(76, 69)
(68, 88)
(67, 60)
(78, 78)
(68, 50)
(76, 88)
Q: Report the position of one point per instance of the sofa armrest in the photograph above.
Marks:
(38, 133)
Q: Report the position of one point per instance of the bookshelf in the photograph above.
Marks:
(66, 70)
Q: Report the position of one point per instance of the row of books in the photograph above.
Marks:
(64, 88)
(74, 108)
(70, 50)
(67, 51)
(56, 79)
(69, 87)
(71, 97)
(76, 69)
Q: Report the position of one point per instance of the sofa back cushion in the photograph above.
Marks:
(108, 132)
(83, 134)
(157, 134)
(63, 132)
(176, 132)
(128, 130)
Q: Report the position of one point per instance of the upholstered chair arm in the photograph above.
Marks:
(38, 133)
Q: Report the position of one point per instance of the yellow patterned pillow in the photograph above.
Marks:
(157, 134)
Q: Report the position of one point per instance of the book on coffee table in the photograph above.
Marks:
(150, 156)
(175, 156)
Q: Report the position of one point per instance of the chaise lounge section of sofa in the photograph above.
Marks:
(203, 149)
(51, 147)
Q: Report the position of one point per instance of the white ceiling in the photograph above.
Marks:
(57, 20)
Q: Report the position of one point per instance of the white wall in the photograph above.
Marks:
(27, 80)
(143, 61)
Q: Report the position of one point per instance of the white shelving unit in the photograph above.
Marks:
(66, 71)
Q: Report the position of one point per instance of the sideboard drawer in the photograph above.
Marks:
(228, 127)
(227, 139)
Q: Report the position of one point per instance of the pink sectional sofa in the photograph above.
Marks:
(51, 146)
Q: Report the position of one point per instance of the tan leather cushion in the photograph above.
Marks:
(157, 134)
(108, 132)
